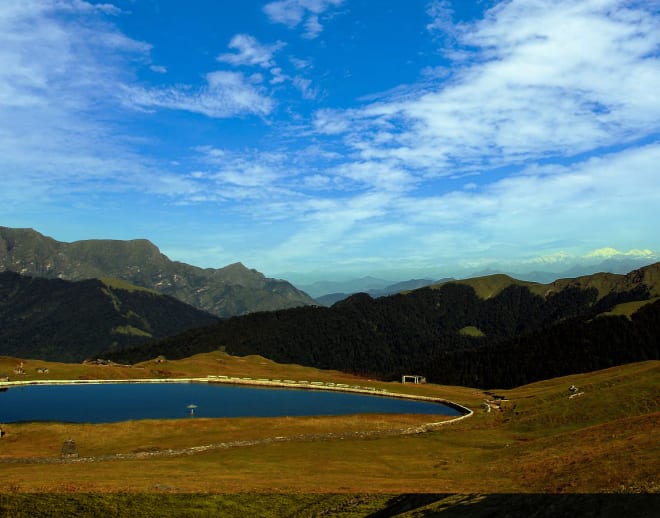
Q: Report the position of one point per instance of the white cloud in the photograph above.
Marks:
(248, 177)
(60, 66)
(294, 12)
(211, 154)
(598, 200)
(278, 76)
(531, 219)
(305, 87)
(326, 226)
(226, 94)
(442, 16)
(554, 79)
(376, 175)
(317, 182)
(312, 27)
(44, 58)
(332, 122)
(250, 52)
(159, 69)
(300, 64)
(83, 6)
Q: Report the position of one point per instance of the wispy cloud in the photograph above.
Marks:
(226, 94)
(64, 73)
(590, 202)
(593, 201)
(250, 52)
(257, 182)
(57, 73)
(305, 87)
(442, 17)
(294, 12)
(43, 57)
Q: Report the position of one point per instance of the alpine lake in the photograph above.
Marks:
(115, 402)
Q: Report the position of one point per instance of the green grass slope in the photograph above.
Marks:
(491, 285)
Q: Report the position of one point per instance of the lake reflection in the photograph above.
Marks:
(106, 403)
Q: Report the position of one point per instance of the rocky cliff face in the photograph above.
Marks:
(229, 291)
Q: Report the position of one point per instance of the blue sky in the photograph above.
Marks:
(324, 139)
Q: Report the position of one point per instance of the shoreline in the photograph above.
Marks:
(263, 382)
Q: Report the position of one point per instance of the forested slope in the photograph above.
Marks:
(58, 320)
(449, 334)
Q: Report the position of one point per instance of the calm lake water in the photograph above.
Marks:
(109, 403)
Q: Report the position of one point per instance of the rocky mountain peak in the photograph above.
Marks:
(232, 290)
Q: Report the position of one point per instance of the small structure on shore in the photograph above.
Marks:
(69, 450)
(412, 378)
(192, 408)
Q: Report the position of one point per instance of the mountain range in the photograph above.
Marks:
(620, 264)
(125, 301)
(487, 331)
(232, 290)
(327, 293)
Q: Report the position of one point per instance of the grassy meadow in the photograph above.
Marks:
(537, 439)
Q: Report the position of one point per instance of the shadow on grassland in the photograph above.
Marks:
(165, 505)
(527, 505)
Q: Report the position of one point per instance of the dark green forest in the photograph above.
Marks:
(58, 320)
(523, 336)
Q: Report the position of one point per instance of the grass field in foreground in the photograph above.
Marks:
(329, 505)
(538, 440)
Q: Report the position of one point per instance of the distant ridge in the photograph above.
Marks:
(390, 289)
(604, 283)
(618, 265)
(232, 290)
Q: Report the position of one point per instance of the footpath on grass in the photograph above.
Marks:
(309, 385)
